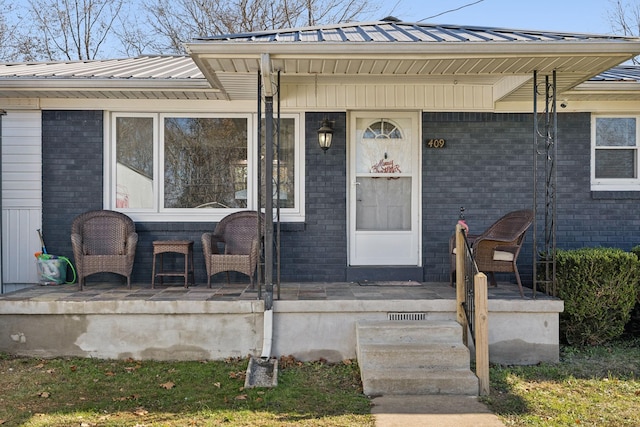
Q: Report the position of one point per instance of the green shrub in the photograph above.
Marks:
(599, 288)
(633, 326)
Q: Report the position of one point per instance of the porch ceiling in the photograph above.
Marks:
(508, 68)
(504, 58)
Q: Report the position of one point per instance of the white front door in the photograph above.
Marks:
(384, 180)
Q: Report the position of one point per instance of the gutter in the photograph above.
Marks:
(626, 48)
(96, 84)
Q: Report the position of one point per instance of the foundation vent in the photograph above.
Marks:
(407, 316)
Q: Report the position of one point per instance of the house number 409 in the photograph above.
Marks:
(435, 143)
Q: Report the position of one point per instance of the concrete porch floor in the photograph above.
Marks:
(338, 291)
(310, 320)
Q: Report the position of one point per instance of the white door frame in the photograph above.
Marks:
(389, 248)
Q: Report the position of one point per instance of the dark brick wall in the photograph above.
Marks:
(150, 231)
(72, 153)
(588, 218)
(72, 157)
(318, 250)
(486, 166)
(72, 184)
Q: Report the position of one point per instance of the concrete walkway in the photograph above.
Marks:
(437, 411)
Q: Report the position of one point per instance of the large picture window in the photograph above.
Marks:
(201, 159)
(615, 153)
(182, 167)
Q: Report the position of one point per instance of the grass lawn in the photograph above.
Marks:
(595, 386)
(598, 386)
(89, 392)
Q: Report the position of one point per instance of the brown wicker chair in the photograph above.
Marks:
(497, 249)
(238, 232)
(103, 241)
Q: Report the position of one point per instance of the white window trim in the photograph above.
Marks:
(161, 214)
(614, 184)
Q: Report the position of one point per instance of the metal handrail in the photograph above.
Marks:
(470, 270)
(472, 303)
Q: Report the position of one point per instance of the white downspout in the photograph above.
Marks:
(265, 66)
(267, 339)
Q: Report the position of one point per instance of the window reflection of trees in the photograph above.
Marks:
(135, 144)
(201, 155)
(287, 164)
(205, 162)
(616, 153)
(134, 152)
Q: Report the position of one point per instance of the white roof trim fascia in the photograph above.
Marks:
(400, 49)
(210, 76)
(37, 83)
(618, 86)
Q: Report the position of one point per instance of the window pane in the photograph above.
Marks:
(382, 129)
(287, 162)
(616, 164)
(134, 162)
(615, 132)
(205, 163)
(383, 204)
(389, 154)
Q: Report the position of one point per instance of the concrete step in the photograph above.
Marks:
(414, 357)
(408, 331)
(429, 356)
(380, 382)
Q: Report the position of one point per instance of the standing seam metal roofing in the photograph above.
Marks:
(181, 67)
(620, 73)
(152, 67)
(386, 31)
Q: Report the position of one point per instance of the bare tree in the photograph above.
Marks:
(5, 31)
(93, 29)
(72, 29)
(170, 23)
(624, 18)
(12, 43)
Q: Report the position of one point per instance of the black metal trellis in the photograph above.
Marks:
(545, 132)
(271, 147)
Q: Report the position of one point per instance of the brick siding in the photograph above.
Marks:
(485, 166)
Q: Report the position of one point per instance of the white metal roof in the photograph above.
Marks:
(392, 30)
(144, 77)
(393, 48)
(620, 83)
(226, 66)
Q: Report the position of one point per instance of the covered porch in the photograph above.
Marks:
(310, 320)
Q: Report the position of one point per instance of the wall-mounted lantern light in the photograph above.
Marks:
(325, 134)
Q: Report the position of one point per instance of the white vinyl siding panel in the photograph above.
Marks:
(384, 96)
(20, 243)
(21, 160)
(21, 195)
